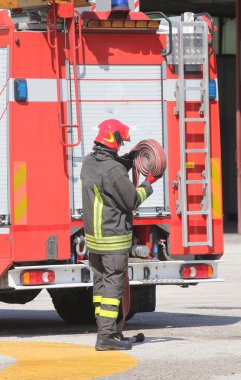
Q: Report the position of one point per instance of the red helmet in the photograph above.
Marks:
(112, 133)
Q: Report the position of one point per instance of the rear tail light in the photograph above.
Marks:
(37, 277)
(190, 271)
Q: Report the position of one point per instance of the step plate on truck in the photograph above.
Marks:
(145, 272)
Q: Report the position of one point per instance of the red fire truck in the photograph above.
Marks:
(63, 71)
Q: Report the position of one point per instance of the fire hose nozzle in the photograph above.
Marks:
(141, 251)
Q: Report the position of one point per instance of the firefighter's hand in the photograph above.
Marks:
(151, 179)
(127, 159)
(131, 155)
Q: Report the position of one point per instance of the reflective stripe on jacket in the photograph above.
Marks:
(109, 197)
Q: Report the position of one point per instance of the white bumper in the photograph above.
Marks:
(142, 272)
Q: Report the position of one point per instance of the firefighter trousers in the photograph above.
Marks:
(109, 275)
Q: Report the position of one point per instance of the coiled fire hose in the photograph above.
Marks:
(150, 157)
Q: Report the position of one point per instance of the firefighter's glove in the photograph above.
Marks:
(151, 179)
(131, 155)
(127, 159)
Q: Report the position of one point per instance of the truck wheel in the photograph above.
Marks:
(19, 296)
(74, 305)
(143, 299)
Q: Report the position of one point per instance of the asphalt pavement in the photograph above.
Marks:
(195, 333)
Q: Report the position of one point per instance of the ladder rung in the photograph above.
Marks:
(69, 125)
(193, 56)
(195, 119)
(196, 182)
(197, 212)
(196, 150)
(192, 88)
(196, 243)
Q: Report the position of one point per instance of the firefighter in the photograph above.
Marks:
(109, 197)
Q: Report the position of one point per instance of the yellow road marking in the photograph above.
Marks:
(51, 361)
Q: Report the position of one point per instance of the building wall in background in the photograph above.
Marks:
(229, 36)
(227, 95)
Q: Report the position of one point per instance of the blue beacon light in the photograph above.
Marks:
(119, 5)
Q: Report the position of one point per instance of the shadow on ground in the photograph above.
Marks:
(29, 323)
(179, 320)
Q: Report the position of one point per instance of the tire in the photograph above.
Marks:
(143, 299)
(148, 298)
(19, 296)
(74, 305)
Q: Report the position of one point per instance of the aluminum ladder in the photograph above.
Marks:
(192, 30)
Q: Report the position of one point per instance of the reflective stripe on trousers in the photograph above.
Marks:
(101, 303)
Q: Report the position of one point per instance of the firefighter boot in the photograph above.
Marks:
(113, 342)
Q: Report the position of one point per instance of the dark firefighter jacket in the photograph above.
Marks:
(109, 197)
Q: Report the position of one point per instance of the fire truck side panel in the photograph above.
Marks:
(6, 33)
(39, 179)
(5, 250)
(121, 48)
(34, 58)
(4, 136)
(216, 171)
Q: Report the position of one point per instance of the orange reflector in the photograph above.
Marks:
(117, 24)
(129, 24)
(153, 24)
(105, 24)
(196, 271)
(93, 24)
(37, 277)
(141, 24)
